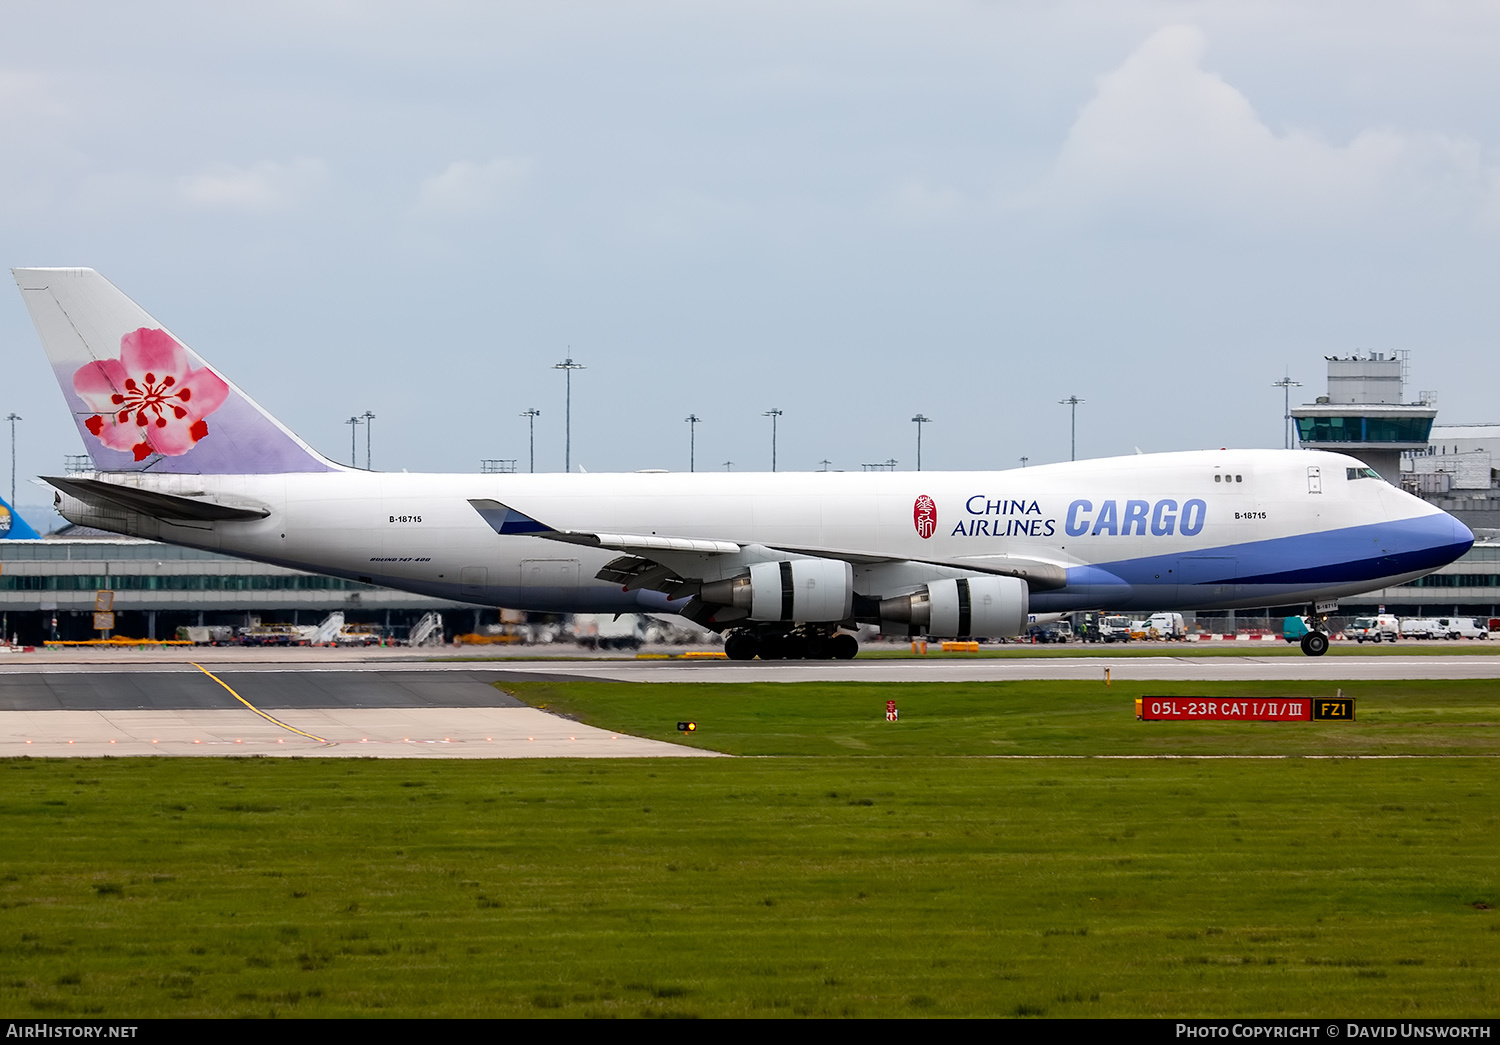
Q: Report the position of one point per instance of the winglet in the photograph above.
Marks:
(506, 521)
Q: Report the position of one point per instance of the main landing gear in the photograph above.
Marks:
(1315, 642)
(805, 643)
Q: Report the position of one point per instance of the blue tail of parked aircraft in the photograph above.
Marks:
(13, 527)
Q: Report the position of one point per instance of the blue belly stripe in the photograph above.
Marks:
(1353, 554)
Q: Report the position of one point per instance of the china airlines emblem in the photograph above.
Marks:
(924, 516)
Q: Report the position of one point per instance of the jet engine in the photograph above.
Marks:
(792, 590)
(968, 607)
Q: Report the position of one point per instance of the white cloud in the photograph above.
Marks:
(1164, 136)
(468, 188)
(260, 188)
(918, 203)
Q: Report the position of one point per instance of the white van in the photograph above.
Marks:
(1169, 626)
(1464, 628)
(1422, 628)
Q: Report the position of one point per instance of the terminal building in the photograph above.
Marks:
(48, 590)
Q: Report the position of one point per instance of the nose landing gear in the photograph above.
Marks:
(1315, 643)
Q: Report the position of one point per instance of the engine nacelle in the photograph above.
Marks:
(803, 590)
(967, 607)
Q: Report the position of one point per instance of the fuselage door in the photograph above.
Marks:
(472, 581)
(1206, 578)
(550, 582)
(1314, 479)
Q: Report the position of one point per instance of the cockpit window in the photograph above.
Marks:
(1361, 473)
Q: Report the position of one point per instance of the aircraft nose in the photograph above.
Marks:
(1463, 537)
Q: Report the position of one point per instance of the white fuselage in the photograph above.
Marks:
(1202, 529)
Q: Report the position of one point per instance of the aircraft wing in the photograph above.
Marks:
(661, 563)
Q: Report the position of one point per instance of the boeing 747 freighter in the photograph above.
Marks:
(784, 564)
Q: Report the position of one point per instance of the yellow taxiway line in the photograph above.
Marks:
(258, 711)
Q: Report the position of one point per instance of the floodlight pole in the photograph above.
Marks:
(368, 418)
(351, 423)
(920, 421)
(531, 416)
(1286, 384)
(13, 418)
(1073, 401)
(692, 423)
(773, 414)
(567, 366)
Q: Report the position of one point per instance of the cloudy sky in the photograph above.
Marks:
(852, 212)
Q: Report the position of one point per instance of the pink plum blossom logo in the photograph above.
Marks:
(150, 400)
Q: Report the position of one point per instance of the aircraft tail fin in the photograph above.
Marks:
(142, 400)
(13, 527)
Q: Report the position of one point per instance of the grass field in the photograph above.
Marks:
(828, 877)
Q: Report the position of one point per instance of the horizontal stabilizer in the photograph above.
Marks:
(164, 506)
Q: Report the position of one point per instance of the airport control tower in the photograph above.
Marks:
(1363, 414)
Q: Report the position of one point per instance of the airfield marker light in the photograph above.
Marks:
(1106, 676)
(687, 727)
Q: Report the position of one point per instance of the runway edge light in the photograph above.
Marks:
(687, 727)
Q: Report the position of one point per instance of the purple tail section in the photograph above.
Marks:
(143, 400)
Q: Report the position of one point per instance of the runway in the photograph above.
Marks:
(387, 707)
(369, 712)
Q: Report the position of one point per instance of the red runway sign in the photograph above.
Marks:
(1244, 709)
